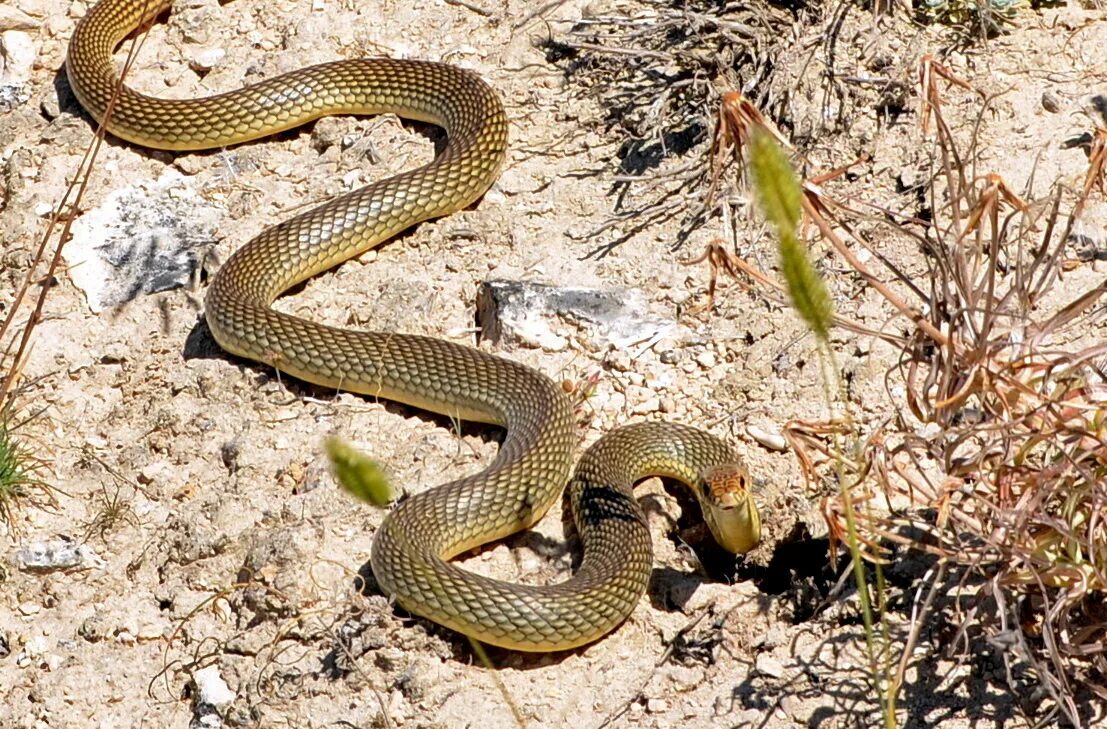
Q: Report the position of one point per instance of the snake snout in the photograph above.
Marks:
(728, 507)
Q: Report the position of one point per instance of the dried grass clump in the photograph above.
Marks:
(657, 69)
(996, 461)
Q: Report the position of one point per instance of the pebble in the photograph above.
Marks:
(397, 706)
(12, 18)
(770, 439)
(94, 629)
(649, 405)
(34, 649)
(56, 554)
(17, 57)
(685, 678)
(29, 608)
(156, 472)
(36, 646)
(207, 59)
(619, 361)
(707, 360)
(769, 665)
(656, 706)
(211, 689)
(928, 431)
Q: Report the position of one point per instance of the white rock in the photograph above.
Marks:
(770, 439)
(706, 360)
(525, 312)
(141, 239)
(17, 56)
(207, 59)
(769, 665)
(211, 689)
(12, 18)
(56, 554)
(36, 646)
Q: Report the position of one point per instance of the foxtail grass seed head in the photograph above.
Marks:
(358, 474)
(780, 198)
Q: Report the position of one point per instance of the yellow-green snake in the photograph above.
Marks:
(413, 546)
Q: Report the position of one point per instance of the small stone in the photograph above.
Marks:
(56, 554)
(928, 431)
(156, 472)
(17, 57)
(12, 18)
(768, 438)
(1050, 102)
(207, 59)
(397, 706)
(707, 360)
(36, 646)
(50, 107)
(656, 706)
(211, 689)
(909, 179)
(389, 659)
(649, 405)
(94, 629)
(619, 361)
(149, 632)
(685, 678)
(769, 665)
(29, 608)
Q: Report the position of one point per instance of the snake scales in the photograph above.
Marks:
(413, 546)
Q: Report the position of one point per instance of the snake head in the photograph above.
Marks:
(728, 507)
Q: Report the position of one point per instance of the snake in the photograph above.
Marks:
(413, 547)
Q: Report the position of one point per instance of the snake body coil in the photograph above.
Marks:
(412, 546)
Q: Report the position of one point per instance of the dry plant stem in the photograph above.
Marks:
(919, 613)
(930, 98)
(482, 656)
(831, 385)
(890, 296)
(84, 171)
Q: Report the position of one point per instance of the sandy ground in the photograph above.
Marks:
(198, 479)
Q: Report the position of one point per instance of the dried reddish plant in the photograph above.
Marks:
(999, 449)
(996, 459)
